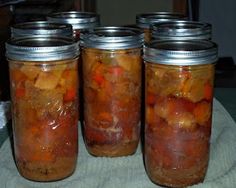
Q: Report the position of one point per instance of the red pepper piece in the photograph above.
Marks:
(151, 99)
(70, 95)
(208, 91)
(99, 79)
(20, 92)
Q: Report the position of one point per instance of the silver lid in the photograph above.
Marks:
(181, 30)
(41, 48)
(176, 52)
(146, 19)
(78, 20)
(112, 38)
(43, 28)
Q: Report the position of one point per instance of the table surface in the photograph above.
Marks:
(226, 96)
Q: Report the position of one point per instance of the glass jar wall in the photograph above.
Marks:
(80, 21)
(112, 90)
(145, 20)
(44, 106)
(41, 28)
(179, 81)
(181, 30)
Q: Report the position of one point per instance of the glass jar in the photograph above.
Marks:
(181, 30)
(145, 20)
(42, 28)
(179, 80)
(80, 21)
(43, 77)
(112, 89)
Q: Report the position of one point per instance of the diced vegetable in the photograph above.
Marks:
(202, 112)
(17, 77)
(208, 91)
(20, 92)
(70, 95)
(99, 79)
(128, 62)
(112, 89)
(177, 122)
(46, 80)
(49, 79)
(151, 99)
(31, 71)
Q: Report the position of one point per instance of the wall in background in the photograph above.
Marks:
(123, 12)
(222, 16)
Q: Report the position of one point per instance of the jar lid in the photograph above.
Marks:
(146, 19)
(36, 48)
(176, 52)
(78, 20)
(112, 38)
(181, 30)
(41, 28)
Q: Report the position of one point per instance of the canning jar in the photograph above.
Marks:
(80, 21)
(42, 28)
(181, 30)
(112, 89)
(145, 20)
(179, 79)
(43, 82)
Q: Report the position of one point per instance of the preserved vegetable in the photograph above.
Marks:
(178, 111)
(178, 123)
(44, 96)
(45, 118)
(112, 88)
(81, 22)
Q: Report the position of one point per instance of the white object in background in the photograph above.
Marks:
(5, 113)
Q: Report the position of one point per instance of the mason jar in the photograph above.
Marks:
(181, 30)
(41, 28)
(179, 81)
(43, 82)
(145, 20)
(80, 21)
(112, 90)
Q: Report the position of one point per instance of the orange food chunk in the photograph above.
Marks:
(46, 80)
(208, 91)
(99, 79)
(151, 99)
(20, 92)
(17, 76)
(70, 95)
(202, 112)
(30, 71)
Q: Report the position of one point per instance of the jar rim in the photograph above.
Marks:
(37, 48)
(112, 38)
(78, 20)
(41, 28)
(144, 20)
(176, 52)
(181, 29)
